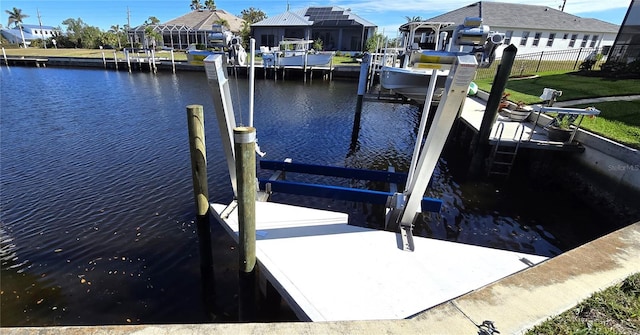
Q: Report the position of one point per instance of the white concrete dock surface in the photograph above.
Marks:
(328, 270)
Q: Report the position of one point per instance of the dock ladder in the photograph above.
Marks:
(504, 153)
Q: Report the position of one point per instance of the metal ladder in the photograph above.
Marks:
(503, 156)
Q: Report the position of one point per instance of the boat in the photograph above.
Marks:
(295, 52)
(221, 41)
(424, 55)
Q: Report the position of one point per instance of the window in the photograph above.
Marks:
(565, 36)
(605, 49)
(525, 36)
(572, 43)
(585, 38)
(268, 40)
(507, 36)
(536, 39)
(594, 40)
(552, 36)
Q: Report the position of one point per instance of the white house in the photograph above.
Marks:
(31, 32)
(533, 28)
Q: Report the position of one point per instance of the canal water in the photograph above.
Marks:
(97, 212)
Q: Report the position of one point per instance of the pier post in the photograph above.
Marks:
(480, 145)
(115, 60)
(173, 62)
(4, 54)
(362, 81)
(104, 61)
(197, 148)
(244, 145)
(128, 58)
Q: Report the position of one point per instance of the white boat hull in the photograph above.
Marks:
(411, 83)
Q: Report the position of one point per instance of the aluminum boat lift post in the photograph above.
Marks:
(406, 205)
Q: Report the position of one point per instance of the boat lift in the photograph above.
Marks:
(402, 207)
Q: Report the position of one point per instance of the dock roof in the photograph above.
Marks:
(501, 14)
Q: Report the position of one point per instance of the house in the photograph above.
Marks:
(627, 45)
(338, 28)
(534, 28)
(191, 28)
(31, 32)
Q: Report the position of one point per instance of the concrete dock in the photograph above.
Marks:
(328, 270)
(514, 303)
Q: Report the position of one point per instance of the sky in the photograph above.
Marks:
(388, 17)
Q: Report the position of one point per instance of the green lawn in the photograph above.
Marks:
(615, 310)
(619, 120)
(572, 87)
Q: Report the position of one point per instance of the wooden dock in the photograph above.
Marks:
(328, 270)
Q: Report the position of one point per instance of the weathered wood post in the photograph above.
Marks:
(197, 148)
(244, 145)
(104, 61)
(480, 144)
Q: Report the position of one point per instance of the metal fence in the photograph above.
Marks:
(549, 61)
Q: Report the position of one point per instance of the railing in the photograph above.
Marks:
(547, 61)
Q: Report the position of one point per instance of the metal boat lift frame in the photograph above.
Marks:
(403, 207)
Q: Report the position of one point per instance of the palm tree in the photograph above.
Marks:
(116, 29)
(413, 19)
(222, 22)
(210, 5)
(196, 5)
(16, 17)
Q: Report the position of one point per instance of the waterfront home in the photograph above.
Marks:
(191, 28)
(338, 28)
(31, 32)
(535, 28)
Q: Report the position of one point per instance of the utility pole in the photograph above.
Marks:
(130, 38)
(564, 2)
(41, 33)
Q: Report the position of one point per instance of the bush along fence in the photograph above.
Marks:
(547, 61)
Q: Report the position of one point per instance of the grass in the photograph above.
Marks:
(619, 120)
(616, 310)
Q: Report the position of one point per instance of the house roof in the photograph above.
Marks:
(14, 33)
(512, 15)
(285, 19)
(37, 26)
(317, 16)
(204, 19)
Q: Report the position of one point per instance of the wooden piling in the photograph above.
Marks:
(197, 148)
(115, 60)
(4, 55)
(244, 146)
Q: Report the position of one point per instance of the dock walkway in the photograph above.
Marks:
(533, 137)
(328, 270)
